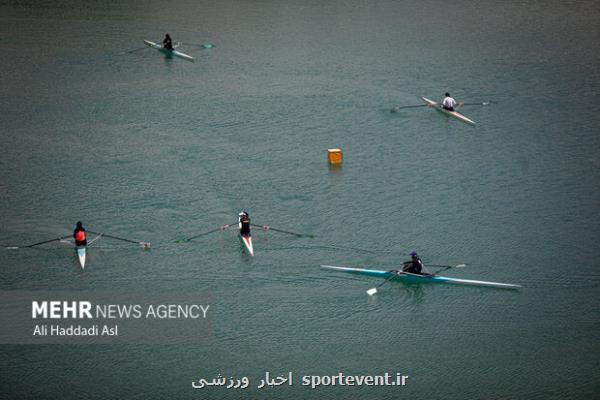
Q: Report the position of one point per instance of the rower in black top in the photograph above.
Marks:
(244, 222)
(414, 266)
(167, 42)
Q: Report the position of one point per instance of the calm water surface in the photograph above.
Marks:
(158, 149)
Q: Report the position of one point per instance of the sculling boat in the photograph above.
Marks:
(247, 240)
(80, 250)
(454, 114)
(81, 255)
(416, 278)
(168, 52)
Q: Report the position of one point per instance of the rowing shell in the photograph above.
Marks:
(247, 240)
(81, 255)
(416, 278)
(168, 52)
(454, 114)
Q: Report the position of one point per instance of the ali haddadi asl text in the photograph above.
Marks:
(75, 330)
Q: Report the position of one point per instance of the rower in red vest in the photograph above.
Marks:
(79, 235)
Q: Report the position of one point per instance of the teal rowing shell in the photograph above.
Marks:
(414, 278)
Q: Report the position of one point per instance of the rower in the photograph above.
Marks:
(448, 103)
(244, 223)
(167, 42)
(414, 266)
(79, 235)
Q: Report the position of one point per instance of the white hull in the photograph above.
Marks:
(454, 114)
(247, 240)
(81, 255)
(176, 53)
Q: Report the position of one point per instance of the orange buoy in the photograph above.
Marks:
(334, 156)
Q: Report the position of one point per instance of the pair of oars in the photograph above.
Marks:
(263, 227)
(145, 245)
(484, 103)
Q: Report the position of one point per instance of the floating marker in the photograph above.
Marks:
(334, 156)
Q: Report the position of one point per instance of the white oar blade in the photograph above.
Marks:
(460, 266)
(371, 292)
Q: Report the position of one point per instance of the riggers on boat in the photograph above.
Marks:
(80, 251)
(416, 278)
(168, 52)
(454, 114)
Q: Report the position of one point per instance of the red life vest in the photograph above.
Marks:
(80, 236)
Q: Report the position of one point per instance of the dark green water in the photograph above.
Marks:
(158, 149)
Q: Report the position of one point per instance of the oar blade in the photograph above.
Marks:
(372, 291)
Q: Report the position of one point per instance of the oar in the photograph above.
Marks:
(485, 103)
(445, 267)
(38, 243)
(221, 228)
(134, 50)
(94, 239)
(372, 291)
(395, 109)
(268, 228)
(146, 245)
(203, 45)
